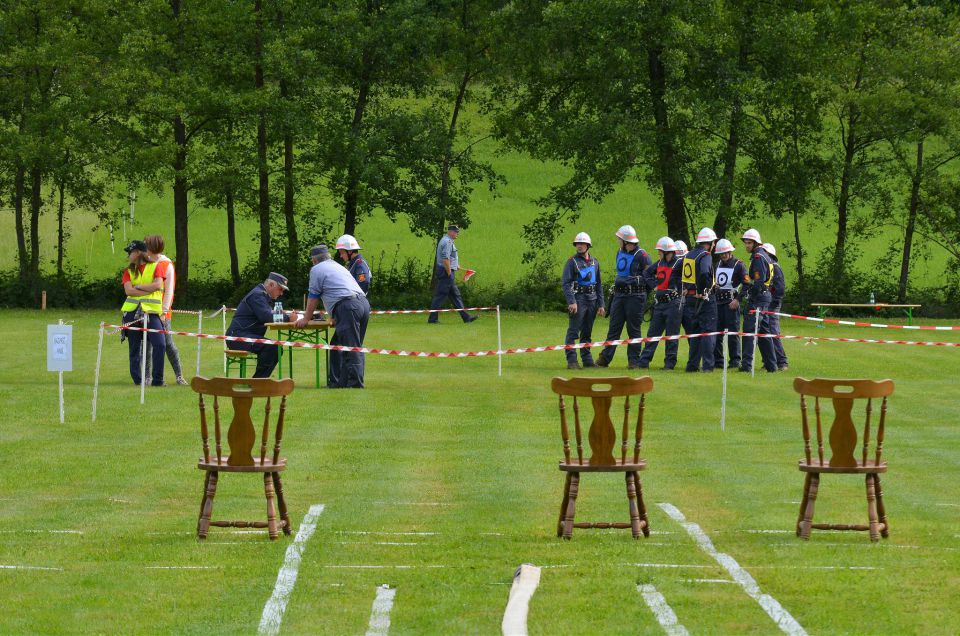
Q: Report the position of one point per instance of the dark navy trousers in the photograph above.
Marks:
(267, 354)
(580, 326)
(157, 347)
(446, 286)
(700, 316)
(347, 368)
(764, 344)
(728, 319)
(626, 310)
(782, 361)
(665, 319)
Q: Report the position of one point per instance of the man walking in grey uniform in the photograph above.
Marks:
(347, 305)
(446, 269)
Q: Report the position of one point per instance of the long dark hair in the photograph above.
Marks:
(142, 260)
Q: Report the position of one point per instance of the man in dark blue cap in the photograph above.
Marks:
(446, 270)
(249, 321)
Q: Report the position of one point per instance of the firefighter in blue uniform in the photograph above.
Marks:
(699, 306)
(348, 249)
(777, 290)
(583, 290)
(730, 274)
(629, 297)
(757, 283)
(663, 277)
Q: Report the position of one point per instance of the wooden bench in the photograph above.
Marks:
(236, 358)
(824, 308)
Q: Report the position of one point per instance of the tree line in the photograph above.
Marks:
(845, 112)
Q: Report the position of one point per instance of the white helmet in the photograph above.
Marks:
(347, 242)
(769, 249)
(628, 234)
(752, 235)
(723, 246)
(706, 235)
(681, 248)
(666, 244)
(582, 237)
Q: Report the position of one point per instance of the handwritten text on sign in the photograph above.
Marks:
(59, 347)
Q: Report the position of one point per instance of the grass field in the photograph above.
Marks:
(440, 479)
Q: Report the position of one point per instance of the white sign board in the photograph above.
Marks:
(59, 347)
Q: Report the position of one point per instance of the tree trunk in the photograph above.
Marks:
(18, 188)
(911, 225)
(232, 239)
(262, 167)
(352, 193)
(61, 239)
(850, 149)
(180, 219)
(293, 242)
(674, 208)
(36, 202)
(796, 239)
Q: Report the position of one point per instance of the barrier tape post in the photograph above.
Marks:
(223, 319)
(60, 384)
(499, 346)
(756, 330)
(199, 330)
(723, 398)
(143, 360)
(96, 375)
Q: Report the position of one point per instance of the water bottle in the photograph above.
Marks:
(873, 300)
(277, 312)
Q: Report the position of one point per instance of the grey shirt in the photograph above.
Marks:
(448, 249)
(332, 282)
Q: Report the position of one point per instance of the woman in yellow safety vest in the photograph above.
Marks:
(143, 284)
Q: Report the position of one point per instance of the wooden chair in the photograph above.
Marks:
(241, 438)
(842, 439)
(235, 357)
(602, 437)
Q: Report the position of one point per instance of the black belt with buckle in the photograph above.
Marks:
(725, 295)
(584, 289)
(622, 288)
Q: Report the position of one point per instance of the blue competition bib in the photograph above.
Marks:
(587, 275)
(624, 261)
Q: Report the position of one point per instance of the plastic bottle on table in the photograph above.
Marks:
(873, 300)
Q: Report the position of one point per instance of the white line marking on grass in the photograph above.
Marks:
(662, 610)
(29, 567)
(378, 543)
(491, 534)
(709, 581)
(380, 612)
(666, 565)
(183, 567)
(525, 582)
(397, 534)
(769, 531)
(381, 567)
(948, 505)
(415, 503)
(287, 577)
(787, 623)
(41, 531)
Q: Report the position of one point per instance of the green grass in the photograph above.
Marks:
(445, 446)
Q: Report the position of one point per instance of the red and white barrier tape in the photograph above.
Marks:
(477, 354)
(853, 323)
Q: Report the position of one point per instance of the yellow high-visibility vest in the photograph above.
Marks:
(152, 303)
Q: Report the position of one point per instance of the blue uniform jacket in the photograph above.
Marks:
(361, 273)
(760, 273)
(571, 271)
(657, 279)
(704, 273)
(253, 312)
(779, 285)
(635, 274)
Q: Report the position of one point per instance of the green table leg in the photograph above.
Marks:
(909, 312)
(821, 313)
(280, 356)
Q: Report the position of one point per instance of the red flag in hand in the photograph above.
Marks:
(467, 274)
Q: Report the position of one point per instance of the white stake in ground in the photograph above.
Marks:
(756, 330)
(525, 582)
(199, 330)
(223, 319)
(287, 577)
(662, 610)
(787, 623)
(723, 398)
(380, 612)
(499, 346)
(143, 360)
(96, 375)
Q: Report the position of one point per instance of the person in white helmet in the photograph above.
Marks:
(778, 287)
(700, 307)
(663, 277)
(448, 262)
(730, 274)
(681, 249)
(348, 249)
(629, 297)
(759, 278)
(583, 290)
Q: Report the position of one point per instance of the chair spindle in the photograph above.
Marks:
(279, 434)
(577, 429)
(564, 431)
(204, 432)
(883, 419)
(216, 426)
(626, 428)
(866, 431)
(638, 433)
(266, 431)
(816, 406)
(806, 427)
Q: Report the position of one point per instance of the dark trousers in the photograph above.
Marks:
(156, 340)
(700, 316)
(446, 286)
(267, 354)
(728, 319)
(764, 344)
(173, 354)
(351, 315)
(580, 326)
(778, 350)
(626, 310)
(665, 318)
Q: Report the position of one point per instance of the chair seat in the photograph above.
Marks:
(860, 468)
(267, 466)
(235, 353)
(619, 467)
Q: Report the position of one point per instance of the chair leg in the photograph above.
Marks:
(210, 490)
(571, 506)
(278, 486)
(632, 499)
(271, 508)
(811, 500)
(563, 504)
(803, 500)
(884, 526)
(872, 508)
(642, 506)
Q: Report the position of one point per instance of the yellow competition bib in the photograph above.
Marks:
(689, 271)
(769, 280)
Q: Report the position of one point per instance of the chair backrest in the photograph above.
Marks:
(842, 436)
(241, 435)
(601, 435)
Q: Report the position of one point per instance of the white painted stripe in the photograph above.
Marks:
(380, 612)
(709, 581)
(948, 505)
(287, 577)
(662, 611)
(378, 543)
(29, 567)
(525, 582)
(415, 503)
(769, 531)
(397, 534)
(41, 531)
(183, 567)
(381, 567)
(787, 623)
(666, 565)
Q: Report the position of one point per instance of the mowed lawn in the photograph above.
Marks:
(440, 479)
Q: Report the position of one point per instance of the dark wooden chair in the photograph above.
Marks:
(240, 438)
(842, 440)
(601, 438)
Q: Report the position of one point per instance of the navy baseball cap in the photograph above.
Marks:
(318, 250)
(453, 228)
(279, 279)
(135, 245)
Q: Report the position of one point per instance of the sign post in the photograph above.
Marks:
(60, 353)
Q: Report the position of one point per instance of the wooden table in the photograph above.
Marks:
(823, 308)
(308, 333)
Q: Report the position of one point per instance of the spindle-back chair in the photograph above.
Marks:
(601, 439)
(842, 442)
(240, 439)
